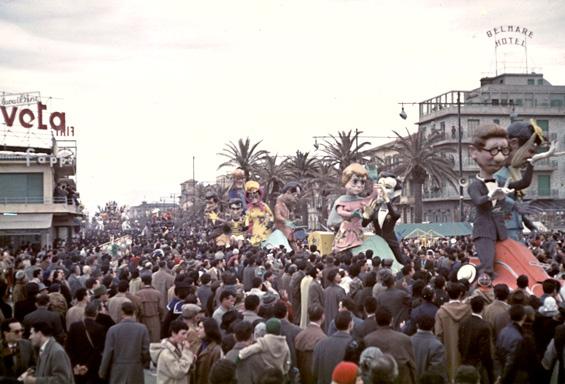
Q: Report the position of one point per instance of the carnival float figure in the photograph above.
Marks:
(524, 140)
(236, 220)
(237, 190)
(489, 149)
(287, 232)
(347, 212)
(212, 213)
(382, 214)
(258, 217)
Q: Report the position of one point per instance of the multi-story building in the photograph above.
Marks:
(499, 99)
(187, 191)
(35, 208)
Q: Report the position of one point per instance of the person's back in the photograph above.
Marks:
(447, 321)
(126, 350)
(330, 351)
(429, 352)
(397, 301)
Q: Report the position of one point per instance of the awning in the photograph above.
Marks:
(433, 229)
(20, 221)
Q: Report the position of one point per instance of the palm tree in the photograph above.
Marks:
(325, 185)
(272, 176)
(244, 155)
(303, 169)
(422, 158)
(345, 148)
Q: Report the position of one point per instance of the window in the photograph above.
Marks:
(21, 188)
(540, 81)
(544, 185)
(544, 125)
(518, 102)
(496, 121)
(531, 82)
(494, 101)
(472, 125)
(556, 103)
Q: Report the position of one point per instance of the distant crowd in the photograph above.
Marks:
(168, 301)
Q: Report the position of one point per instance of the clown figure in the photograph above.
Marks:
(258, 217)
(236, 219)
(236, 190)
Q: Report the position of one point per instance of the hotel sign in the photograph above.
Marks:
(510, 35)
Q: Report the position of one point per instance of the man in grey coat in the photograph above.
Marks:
(333, 295)
(126, 350)
(330, 352)
(53, 364)
(429, 352)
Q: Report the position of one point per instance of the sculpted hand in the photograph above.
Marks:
(544, 155)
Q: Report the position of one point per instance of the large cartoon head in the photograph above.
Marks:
(252, 192)
(354, 178)
(524, 138)
(235, 206)
(291, 192)
(238, 177)
(390, 184)
(490, 148)
(212, 201)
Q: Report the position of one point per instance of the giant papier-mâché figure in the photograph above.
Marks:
(347, 212)
(489, 149)
(237, 190)
(284, 211)
(258, 217)
(524, 139)
(382, 214)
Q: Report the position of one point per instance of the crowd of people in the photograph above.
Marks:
(172, 302)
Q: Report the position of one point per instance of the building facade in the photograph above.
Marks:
(39, 202)
(501, 100)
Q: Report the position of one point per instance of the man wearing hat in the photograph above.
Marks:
(272, 348)
(18, 292)
(191, 315)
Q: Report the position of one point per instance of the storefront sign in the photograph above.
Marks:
(52, 160)
(510, 35)
(29, 118)
(13, 99)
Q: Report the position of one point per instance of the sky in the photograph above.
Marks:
(148, 85)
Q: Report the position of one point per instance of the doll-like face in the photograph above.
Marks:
(238, 181)
(356, 184)
(388, 185)
(292, 195)
(236, 210)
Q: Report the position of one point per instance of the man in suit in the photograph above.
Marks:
(53, 364)
(306, 341)
(489, 150)
(395, 343)
(42, 314)
(369, 324)
(16, 353)
(330, 352)
(333, 295)
(397, 301)
(384, 216)
(475, 340)
(85, 344)
(126, 350)
(496, 313)
(429, 352)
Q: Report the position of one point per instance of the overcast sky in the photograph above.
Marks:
(150, 84)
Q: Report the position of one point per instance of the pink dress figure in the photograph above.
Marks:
(347, 211)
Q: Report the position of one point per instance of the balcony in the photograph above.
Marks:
(546, 165)
(56, 205)
(536, 194)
